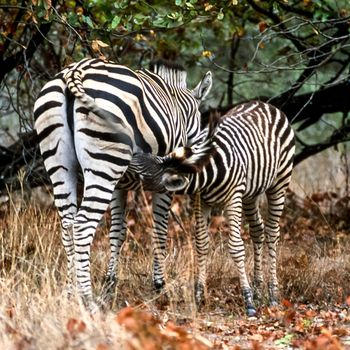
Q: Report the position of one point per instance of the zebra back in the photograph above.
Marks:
(255, 146)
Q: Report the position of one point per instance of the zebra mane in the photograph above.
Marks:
(173, 73)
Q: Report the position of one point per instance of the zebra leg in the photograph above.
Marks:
(201, 212)
(97, 196)
(237, 250)
(57, 150)
(256, 231)
(161, 205)
(117, 237)
(68, 244)
(64, 182)
(272, 231)
(65, 201)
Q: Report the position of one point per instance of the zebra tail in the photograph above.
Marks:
(192, 159)
(183, 160)
(74, 81)
(189, 159)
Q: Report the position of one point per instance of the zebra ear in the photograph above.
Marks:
(174, 182)
(203, 87)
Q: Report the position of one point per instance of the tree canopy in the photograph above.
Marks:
(294, 54)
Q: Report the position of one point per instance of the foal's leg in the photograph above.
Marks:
(201, 212)
(161, 205)
(272, 231)
(256, 231)
(237, 250)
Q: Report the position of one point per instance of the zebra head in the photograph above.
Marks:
(175, 76)
(160, 174)
(170, 172)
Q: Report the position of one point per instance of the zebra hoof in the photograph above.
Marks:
(251, 311)
(158, 285)
(109, 285)
(108, 291)
(258, 297)
(257, 293)
(273, 294)
(94, 308)
(90, 305)
(248, 301)
(68, 293)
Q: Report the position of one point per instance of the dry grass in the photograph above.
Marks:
(35, 313)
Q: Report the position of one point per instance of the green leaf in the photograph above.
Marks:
(189, 5)
(72, 19)
(46, 4)
(286, 340)
(121, 4)
(174, 15)
(160, 21)
(139, 19)
(88, 21)
(220, 15)
(41, 13)
(321, 14)
(115, 22)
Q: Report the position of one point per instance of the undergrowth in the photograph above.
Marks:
(313, 268)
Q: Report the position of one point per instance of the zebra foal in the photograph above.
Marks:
(94, 115)
(254, 155)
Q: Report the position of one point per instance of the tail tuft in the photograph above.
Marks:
(184, 160)
(74, 82)
(191, 159)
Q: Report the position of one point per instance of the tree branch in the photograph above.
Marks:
(310, 107)
(280, 24)
(25, 54)
(233, 50)
(16, 21)
(340, 135)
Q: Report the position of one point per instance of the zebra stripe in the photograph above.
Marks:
(254, 155)
(94, 115)
(174, 76)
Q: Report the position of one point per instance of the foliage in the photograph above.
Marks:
(292, 53)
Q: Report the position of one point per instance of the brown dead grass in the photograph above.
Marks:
(314, 267)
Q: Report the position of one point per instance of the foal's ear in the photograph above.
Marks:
(203, 87)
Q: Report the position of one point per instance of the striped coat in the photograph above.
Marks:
(254, 155)
(93, 116)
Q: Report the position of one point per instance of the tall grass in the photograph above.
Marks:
(35, 313)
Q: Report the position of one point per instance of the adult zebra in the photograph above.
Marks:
(254, 155)
(94, 115)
